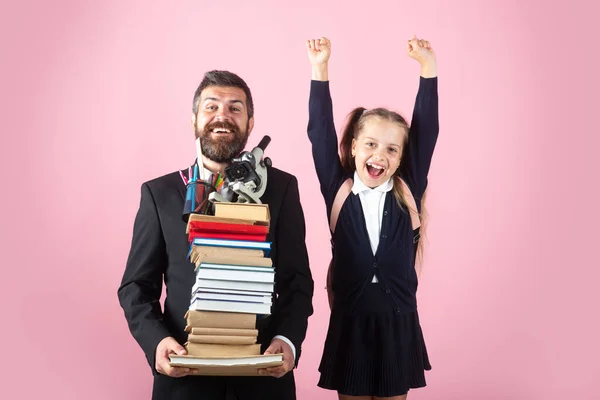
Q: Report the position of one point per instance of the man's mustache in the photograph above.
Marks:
(222, 125)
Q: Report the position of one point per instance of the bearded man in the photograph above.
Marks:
(222, 118)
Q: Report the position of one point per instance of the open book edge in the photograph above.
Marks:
(255, 361)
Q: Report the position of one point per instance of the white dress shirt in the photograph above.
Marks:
(373, 202)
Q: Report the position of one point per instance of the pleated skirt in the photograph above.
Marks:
(372, 351)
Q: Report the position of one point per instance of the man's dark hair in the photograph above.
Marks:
(223, 79)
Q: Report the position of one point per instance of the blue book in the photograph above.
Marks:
(238, 244)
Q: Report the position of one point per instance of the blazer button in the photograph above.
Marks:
(398, 310)
(384, 236)
(385, 212)
(375, 265)
(387, 291)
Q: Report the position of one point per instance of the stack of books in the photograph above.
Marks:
(234, 283)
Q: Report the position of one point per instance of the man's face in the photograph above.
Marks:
(222, 122)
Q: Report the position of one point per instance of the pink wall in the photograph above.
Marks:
(102, 93)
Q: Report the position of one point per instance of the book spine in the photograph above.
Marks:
(215, 319)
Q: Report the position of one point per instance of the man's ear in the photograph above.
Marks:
(194, 120)
(250, 125)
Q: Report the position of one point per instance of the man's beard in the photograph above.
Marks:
(222, 149)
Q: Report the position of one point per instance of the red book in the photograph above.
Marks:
(220, 227)
(227, 235)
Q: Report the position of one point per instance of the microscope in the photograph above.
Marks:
(247, 175)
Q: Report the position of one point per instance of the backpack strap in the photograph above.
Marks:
(412, 205)
(340, 197)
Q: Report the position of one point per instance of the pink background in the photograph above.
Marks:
(96, 99)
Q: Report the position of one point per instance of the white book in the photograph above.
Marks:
(233, 285)
(200, 295)
(231, 291)
(230, 306)
(234, 275)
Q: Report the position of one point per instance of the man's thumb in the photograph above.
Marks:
(179, 349)
(269, 349)
(175, 347)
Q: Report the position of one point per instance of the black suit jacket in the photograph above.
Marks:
(159, 251)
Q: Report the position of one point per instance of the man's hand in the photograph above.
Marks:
(169, 346)
(319, 51)
(279, 346)
(421, 50)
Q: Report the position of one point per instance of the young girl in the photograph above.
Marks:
(374, 346)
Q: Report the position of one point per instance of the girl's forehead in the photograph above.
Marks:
(383, 128)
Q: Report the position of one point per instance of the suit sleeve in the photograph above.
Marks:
(293, 280)
(141, 285)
